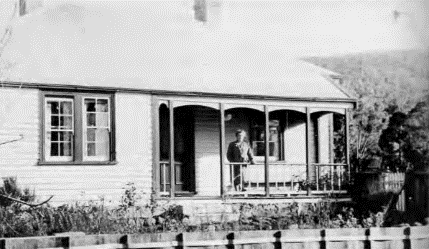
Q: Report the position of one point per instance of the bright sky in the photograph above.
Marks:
(302, 28)
(327, 27)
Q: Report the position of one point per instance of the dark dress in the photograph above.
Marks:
(237, 153)
(393, 156)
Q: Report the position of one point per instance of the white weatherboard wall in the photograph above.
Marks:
(324, 138)
(294, 141)
(70, 183)
(207, 152)
(207, 157)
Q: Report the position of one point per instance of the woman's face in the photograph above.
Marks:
(241, 136)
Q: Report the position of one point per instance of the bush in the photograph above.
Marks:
(129, 218)
(293, 216)
(11, 189)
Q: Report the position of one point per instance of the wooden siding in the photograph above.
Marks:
(325, 138)
(70, 183)
(294, 137)
(207, 152)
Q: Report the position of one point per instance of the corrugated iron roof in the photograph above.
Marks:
(152, 46)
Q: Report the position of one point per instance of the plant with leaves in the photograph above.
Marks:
(10, 190)
(383, 83)
(418, 128)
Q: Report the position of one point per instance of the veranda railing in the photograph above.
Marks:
(286, 179)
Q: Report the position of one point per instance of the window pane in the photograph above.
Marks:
(53, 136)
(54, 149)
(102, 105)
(90, 149)
(272, 149)
(66, 122)
(103, 119)
(90, 105)
(102, 135)
(103, 149)
(259, 149)
(90, 135)
(54, 122)
(90, 119)
(65, 149)
(66, 136)
(66, 107)
(53, 105)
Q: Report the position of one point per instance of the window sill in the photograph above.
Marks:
(178, 198)
(96, 163)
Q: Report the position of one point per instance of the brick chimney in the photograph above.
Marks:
(213, 13)
(27, 6)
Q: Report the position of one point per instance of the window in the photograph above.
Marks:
(96, 129)
(77, 128)
(59, 127)
(258, 141)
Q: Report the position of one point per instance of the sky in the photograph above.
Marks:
(320, 28)
(336, 27)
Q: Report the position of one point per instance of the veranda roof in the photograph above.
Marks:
(151, 45)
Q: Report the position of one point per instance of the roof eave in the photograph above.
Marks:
(63, 87)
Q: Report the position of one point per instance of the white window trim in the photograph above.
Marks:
(47, 129)
(85, 157)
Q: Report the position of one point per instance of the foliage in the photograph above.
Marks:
(96, 218)
(130, 196)
(418, 128)
(296, 216)
(129, 218)
(408, 147)
(11, 189)
(93, 218)
(383, 83)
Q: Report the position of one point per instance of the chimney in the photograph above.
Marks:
(200, 10)
(212, 13)
(27, 6)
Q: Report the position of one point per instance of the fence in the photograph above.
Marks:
(417, 194)
(393, 238)
(373, 187)
(394, 182)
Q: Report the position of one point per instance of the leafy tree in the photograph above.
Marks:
(383, 83)
(394, 143)
(418, 127)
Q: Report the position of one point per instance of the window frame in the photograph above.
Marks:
(85, 126)
(78, 126)
(279, 144)
(58, 158)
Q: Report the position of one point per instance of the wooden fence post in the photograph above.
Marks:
(357, 238)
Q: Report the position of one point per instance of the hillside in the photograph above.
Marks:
(400, 76)
(383, 83)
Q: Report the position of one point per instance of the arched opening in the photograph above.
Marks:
(287, 138)
(244, 177)
(328, 169)
(196, 150)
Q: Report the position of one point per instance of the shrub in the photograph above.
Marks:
(11, 189)
(129, 218)
(292, 216)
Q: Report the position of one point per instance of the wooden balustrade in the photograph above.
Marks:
(286, 179)
(165, 183)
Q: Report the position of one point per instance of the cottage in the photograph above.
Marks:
(98, 94)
